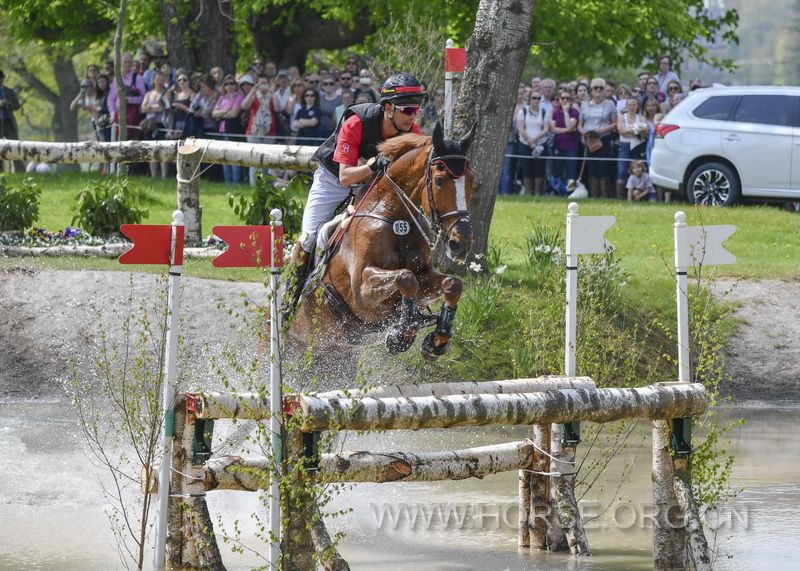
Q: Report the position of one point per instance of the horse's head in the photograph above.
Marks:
(449, 189)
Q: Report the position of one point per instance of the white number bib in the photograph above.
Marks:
(401, 227)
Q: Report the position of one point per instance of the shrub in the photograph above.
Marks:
(19, 204)
(253, 207)
(107, 206)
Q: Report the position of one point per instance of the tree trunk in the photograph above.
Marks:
(225, 152)
(669, 534)
(496, 54)
(65, 122)
(189, 191)
(200, 34)
(698, 545)
(287, 39)
(122, 96)
(540, 492)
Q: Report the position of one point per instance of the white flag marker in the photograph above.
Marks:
(694, 246)
(585, 235)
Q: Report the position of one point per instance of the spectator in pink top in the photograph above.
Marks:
(134, 92)
(227, 111)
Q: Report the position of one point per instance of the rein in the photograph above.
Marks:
(430, 227)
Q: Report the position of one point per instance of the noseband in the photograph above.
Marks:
(431, 227)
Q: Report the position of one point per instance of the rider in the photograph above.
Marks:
(357, 136)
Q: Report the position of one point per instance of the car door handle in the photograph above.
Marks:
(732, 138)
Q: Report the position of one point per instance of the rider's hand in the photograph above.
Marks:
(381, 162)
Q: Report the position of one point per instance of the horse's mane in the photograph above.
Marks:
(398, 146)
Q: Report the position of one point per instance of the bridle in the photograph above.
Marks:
(432, 227)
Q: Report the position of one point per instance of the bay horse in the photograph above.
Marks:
(379, 276)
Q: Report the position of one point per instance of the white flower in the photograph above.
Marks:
(500, 270)
(475, 267)
(478, 256)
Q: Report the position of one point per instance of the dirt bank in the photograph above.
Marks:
(48, 317)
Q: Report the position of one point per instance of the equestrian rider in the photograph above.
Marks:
(360, 130)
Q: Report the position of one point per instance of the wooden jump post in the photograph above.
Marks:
(538, 402)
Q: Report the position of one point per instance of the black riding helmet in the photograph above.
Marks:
(402, 89)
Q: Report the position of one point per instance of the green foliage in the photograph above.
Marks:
(19, 204)
(106, 206)
(253, 206)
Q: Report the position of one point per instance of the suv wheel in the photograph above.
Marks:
(712, 184)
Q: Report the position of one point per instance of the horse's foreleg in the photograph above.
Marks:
(436, 342)
(377, 285)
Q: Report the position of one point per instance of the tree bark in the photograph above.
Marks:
(669, 534)
(189, 191)
(298, 508)
(568, 513)
(65, 121)
(539, 384)
(496, 55)
(191, 543)
(234, 473)
(540, 490)
(329, 556)
(226, 152)
(199, 34)
(699, 552)
(600, 405)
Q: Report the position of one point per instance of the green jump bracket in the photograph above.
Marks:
(571, 435)
(169, 423)
(201, 441)
(682, 437)
(311, 455)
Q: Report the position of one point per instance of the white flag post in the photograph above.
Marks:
(275, 398)
(585, 235)
(694, 246)
(168, 401)
(448, 96)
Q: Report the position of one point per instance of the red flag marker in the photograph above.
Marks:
(152, 244)
(455, 59)
(248, 246)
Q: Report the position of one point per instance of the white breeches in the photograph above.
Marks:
(325, 195)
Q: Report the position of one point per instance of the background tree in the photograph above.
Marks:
(199, 34)
(65, 29)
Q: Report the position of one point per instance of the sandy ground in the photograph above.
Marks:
(50, 317)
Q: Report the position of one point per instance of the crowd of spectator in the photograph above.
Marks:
(261, 104)
(595, 131)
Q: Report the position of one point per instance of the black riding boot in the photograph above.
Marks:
(299, 268)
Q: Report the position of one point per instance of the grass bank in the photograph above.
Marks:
(511, 322)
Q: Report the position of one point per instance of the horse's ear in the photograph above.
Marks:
(466, 140)
(438, 137)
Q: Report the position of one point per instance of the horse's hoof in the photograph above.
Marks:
(431, 352)
(397, 342)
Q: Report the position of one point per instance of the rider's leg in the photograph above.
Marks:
(323, 197)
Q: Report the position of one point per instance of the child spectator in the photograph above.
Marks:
(639, 185)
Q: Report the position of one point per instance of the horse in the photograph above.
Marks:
(378, 273)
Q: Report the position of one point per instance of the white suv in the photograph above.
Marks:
(723, 143)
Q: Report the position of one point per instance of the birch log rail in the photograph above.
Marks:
(542, 402)
(294, 157)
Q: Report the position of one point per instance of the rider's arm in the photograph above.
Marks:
(349, 175)
(346, 153)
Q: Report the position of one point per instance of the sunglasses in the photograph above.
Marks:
(407, 109)
(636, 90)
(532, 98)
(348, 78)
(311, 94)
(597, 87)
(673, 88)
(328, 83)
(351, 62)
(565, 98)
(314, 81)
(229, 83)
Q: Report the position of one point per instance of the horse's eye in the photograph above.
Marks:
(439, 180)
